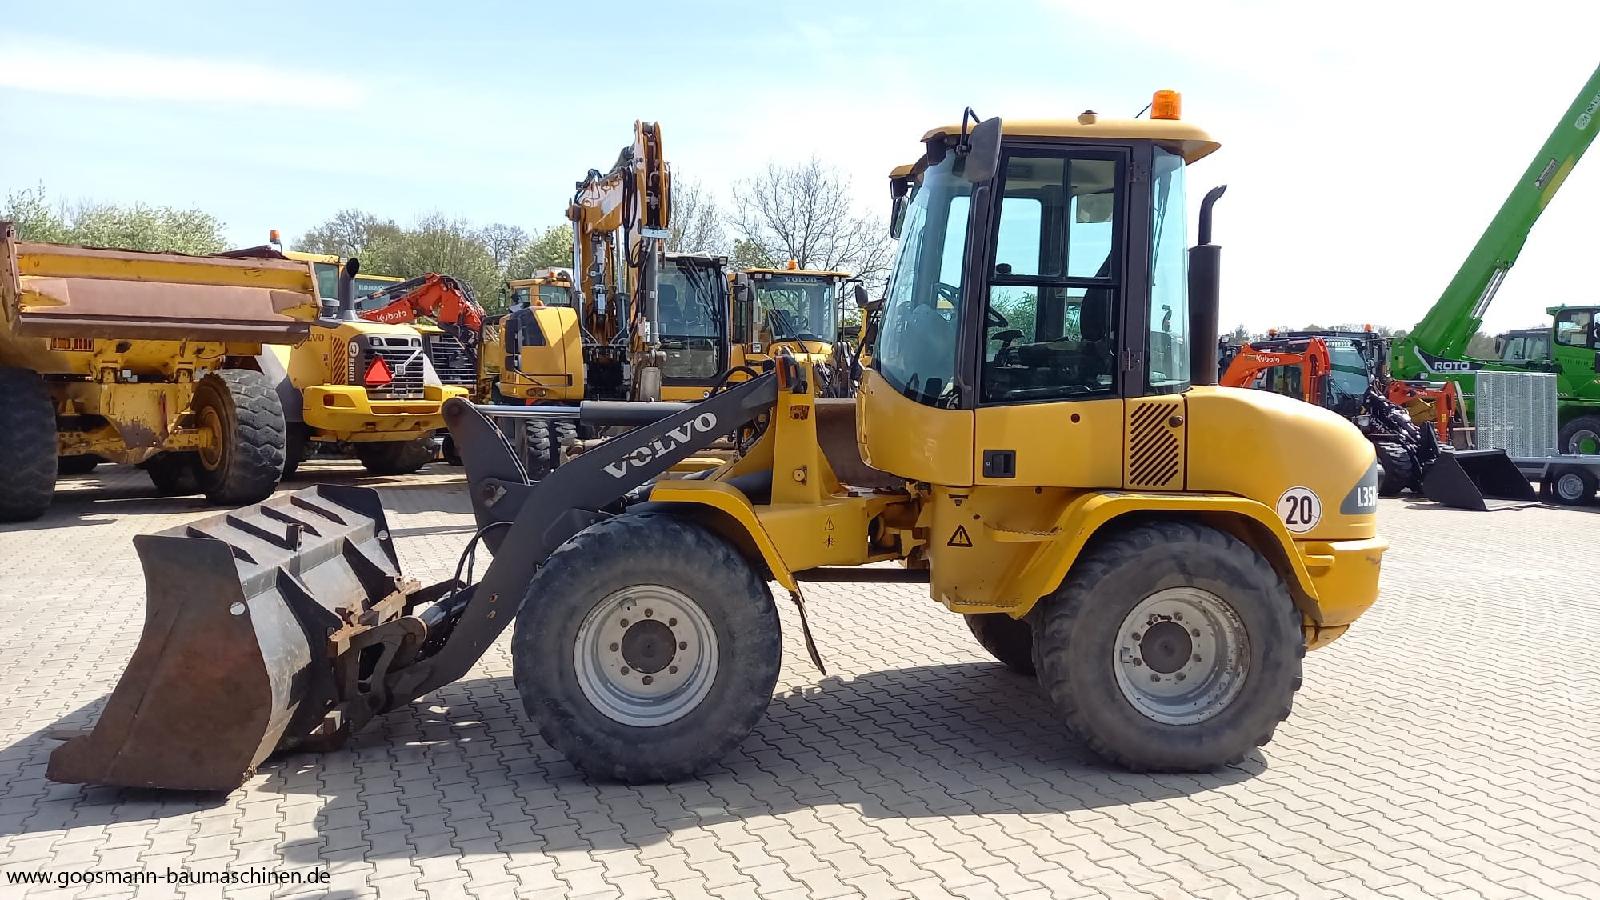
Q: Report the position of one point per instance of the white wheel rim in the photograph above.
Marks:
(1181, 656)
(645, 655)
(1570, 486)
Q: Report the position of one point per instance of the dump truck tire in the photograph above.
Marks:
(1008, 640)
(243, 407)
(541, 456)
(27, 446)
(174, 474)
(677, 687)
(80, 464)
(1581, 436)
(1398, 471)
(1171, 647)
(394, 457)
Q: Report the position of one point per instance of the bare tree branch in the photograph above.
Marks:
(804, 212)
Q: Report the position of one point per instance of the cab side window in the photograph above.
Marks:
(1575, 328)
(1054, 297)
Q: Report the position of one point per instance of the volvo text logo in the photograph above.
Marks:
(640, 457)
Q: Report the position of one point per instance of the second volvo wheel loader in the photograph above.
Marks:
(1056, 464)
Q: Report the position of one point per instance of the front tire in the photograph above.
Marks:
(242, 412)
(394, 457)
(27, 446)
(646, 649)
(1399, 472)
(1171, 646)
(1571, 485)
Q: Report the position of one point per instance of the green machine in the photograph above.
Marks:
(1436, 348)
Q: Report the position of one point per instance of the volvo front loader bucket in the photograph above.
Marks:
(1464, 478)
(246, 614)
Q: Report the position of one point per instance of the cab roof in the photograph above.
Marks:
(760, 270)
(1190, 140)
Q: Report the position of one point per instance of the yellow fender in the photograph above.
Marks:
(730, 515)
(1250, 521)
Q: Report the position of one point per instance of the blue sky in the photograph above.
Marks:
(1365, 143)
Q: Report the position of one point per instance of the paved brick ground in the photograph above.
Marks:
(1446, 747)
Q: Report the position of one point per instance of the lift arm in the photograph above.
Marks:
(1440, 339)
(439, 297)
(1311, 356)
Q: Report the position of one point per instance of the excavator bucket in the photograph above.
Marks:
(1463, 479)
(246, 614)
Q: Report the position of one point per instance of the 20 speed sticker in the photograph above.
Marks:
(1300, 509)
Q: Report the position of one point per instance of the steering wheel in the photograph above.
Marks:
(948, 292)
(994, 319)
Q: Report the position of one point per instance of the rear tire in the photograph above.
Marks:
(27, 446)
(242, 408)
(1129, 672)
(296, 443)
(174, 474)
(1399, 472)
(1008, 640)
(81, 464)
(1581, 436)
(702, 622)
(395, 457)
(1571, 486)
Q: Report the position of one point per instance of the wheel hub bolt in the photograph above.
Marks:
(672, 622)
(615, 647)
(683, 645)
(1195, 632)
(626, 670)
(649, 680)
(672, 670)
(624, 623)
(1136, 636)
(1197, 657)
(1154, 677)
(1177, 617)
(649, 613)
(1180, 676)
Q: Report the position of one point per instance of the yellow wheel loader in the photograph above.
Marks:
(150, 359)
(356, 387)
(1051, 458)
(796, 312)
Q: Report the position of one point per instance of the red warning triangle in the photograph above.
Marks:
(378, 373)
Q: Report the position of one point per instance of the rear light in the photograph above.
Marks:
(378, 373)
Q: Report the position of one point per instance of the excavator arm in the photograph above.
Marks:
(1310, 356)
(439, 297)
(1438, 344)
(620, 221)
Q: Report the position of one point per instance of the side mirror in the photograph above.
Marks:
(860, 296)
(981, 156)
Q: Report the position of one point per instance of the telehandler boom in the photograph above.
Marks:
(1085, 501)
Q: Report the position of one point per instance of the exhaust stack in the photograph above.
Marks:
(1205, 293)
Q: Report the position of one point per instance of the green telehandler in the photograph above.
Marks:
(1436, 349)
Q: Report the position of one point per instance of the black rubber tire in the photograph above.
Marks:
(1078, 629)
(1008, 640)
(251, 463)
(1397, 469)
(563, 435)
(395, 457)
(1584, 481)
(1570, 432)
(27, 446)
(541, 451)
(646, 549)
(296, 444)
(81, 464)
(174, 474)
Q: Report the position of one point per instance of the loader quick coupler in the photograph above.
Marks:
(288, 624)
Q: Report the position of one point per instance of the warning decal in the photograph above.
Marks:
(960, 538)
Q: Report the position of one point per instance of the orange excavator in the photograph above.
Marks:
(445, 300)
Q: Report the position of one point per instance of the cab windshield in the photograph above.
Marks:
(916, 348)
(1526, 347)
(365, 286)
(692, 301)
(555, 295)
(797, 308)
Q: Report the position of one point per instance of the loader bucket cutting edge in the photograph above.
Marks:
(1464, 478)
(235, 659)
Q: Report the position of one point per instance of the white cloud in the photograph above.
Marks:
(65, 67)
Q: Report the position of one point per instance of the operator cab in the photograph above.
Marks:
(692, 302)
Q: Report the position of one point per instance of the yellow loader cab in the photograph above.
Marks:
(368, 389)
(1048, 454)
(791, 311)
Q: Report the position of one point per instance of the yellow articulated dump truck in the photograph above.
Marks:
(142, 358)
(355, 387)
(1053, 461)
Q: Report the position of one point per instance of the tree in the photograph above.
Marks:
(136, 227)
(1239, 335)
(696, 223)
(349, 233)
(551, 249)
(1481, 346)
(504, 243)
(804, 212)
